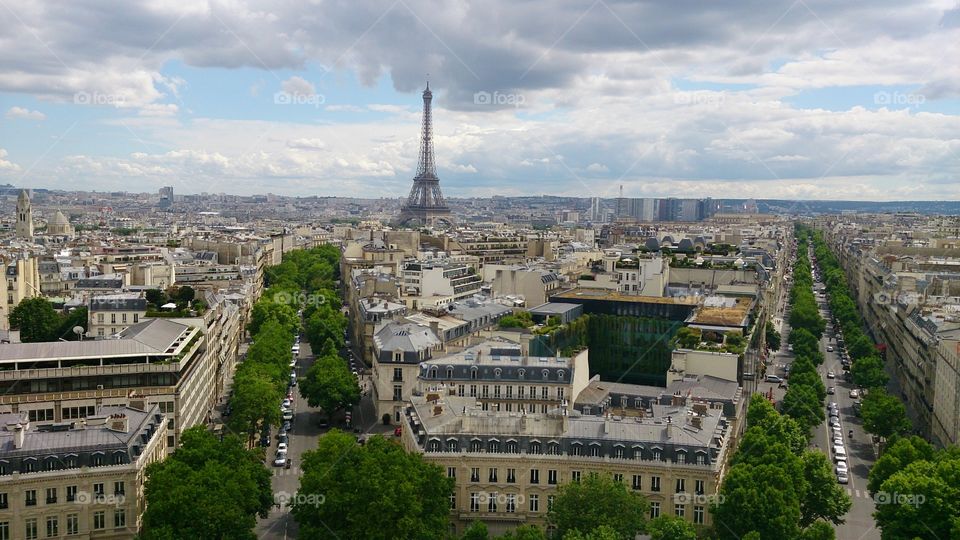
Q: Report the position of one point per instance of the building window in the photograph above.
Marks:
(546, 374)
(681, 485)
(98, 490)
(460, 390)
(511, 476)
(534, 503)
(701, 459)
(397, 374)
(618, 478)
(30, 497)
(475, 474)
(30, 528)
(681, 457)
(636, 482)
(73, 524)
(512, 447)
(560, 392)
(493, 474)
(71, 493)
(520, 392)
(119, 488)
(678, 509)
(550, 499)
(4, 503)
(576, 449)
(434, 446)
(453, 501)
(492, 502)
(698, 487)
(545, 392)
(496, 391)
(552, 477)
(618, 452)
(594, 450)
(534, 476)
(113, 318)
(473, 373)
(654, 510)
(451, 472)
(476, 445)
(4, 530)
(654, 483)
(698, 515)
(119, 518)
(493, 447)
(123, 318)
(497, 372)
(485, 392)
(51, 495)
(509, 392)
(450, 374)
(99, 318)
(398, 393)
(136, 318)
(453, 445)
(474, 502)
(575, 476)
(656, 455)
(511, 503)
(53, 526)
(473, 390)
(534, 448)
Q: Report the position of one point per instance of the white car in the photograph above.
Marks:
(286, 404)
(854, 394)
(280, 460)
(287, 415)
(831, 390)
(829, 348)
(831, 375)
(842, 467)
(282, 447)
(842, 478)
(834, 421)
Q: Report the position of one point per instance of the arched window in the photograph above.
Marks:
(535, 447)
(560, 375)
(576, 449)
(473, 372)
(594, 449)
(51, 463)
(433, 372)
(434, 445)
(476, 445)
(681, 456)
(553, 448)
(493, 446)
(512, 447)
(657, 453)
(70, 461)
(453, 445)
(449, 372)
(96, 459)
(637, 452)
(118, 458)
(618, 451)
(29, 465)
(521, 373)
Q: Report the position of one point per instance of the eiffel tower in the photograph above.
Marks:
(425, 205)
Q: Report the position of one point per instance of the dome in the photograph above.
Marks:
(59, 219)
(652, 244)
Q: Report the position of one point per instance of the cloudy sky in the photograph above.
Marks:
(812, 99)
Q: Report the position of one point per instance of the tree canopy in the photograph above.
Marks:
(372, 491)
(596, 501)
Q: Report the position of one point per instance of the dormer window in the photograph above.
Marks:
(497, 372)
(560, 375)
(521, 373)
(546, 374)
(433, 372)
(449, 372)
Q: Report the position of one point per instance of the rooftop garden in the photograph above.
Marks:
(710, 340)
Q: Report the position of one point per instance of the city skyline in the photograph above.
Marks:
(781, 100)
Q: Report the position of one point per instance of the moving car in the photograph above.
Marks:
(831, 390)
(774, 378)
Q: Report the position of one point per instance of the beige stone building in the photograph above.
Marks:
(81, 478)
(23, 281)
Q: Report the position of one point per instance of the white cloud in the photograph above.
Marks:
(159, 109)
(307, 144)
(298, 86)
(24, 114)
(5, 165)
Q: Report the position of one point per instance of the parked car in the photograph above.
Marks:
(843, 478)
(282, 447)
(834, 421)
(854, 394)
(831, 375)
(829, 348)
(286, 403)
(287, 416)
(286, 426)
(842, 467)
(280, 460)
(774, 378)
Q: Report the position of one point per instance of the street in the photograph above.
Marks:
(304, 433)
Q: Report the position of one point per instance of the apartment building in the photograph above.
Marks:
(399, 348)
(432, 283)
(78, 479)
(109, 314)
(22, 275)
(163, 360)
(533, 283)
(499, 377)
(508, 465)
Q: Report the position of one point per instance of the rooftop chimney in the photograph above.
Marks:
(119, 422)
(19, 436)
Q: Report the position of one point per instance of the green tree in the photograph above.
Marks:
(823, 498)
(772, 337)
(476, 531)
(868, 372)
(525, 532)
(156, 297)
(884, 415)
(819, 530)
(603, 532)
(688, 338)
(921, 501)
(186, 294)
(265, 310)
(330, 385)
(208, 488)
(901, 451)
(76, 317)
(671, 528)
(374, 491)
(761, 498)
(36, 319)
(594, 501)
(803, 404)
(255, 401)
